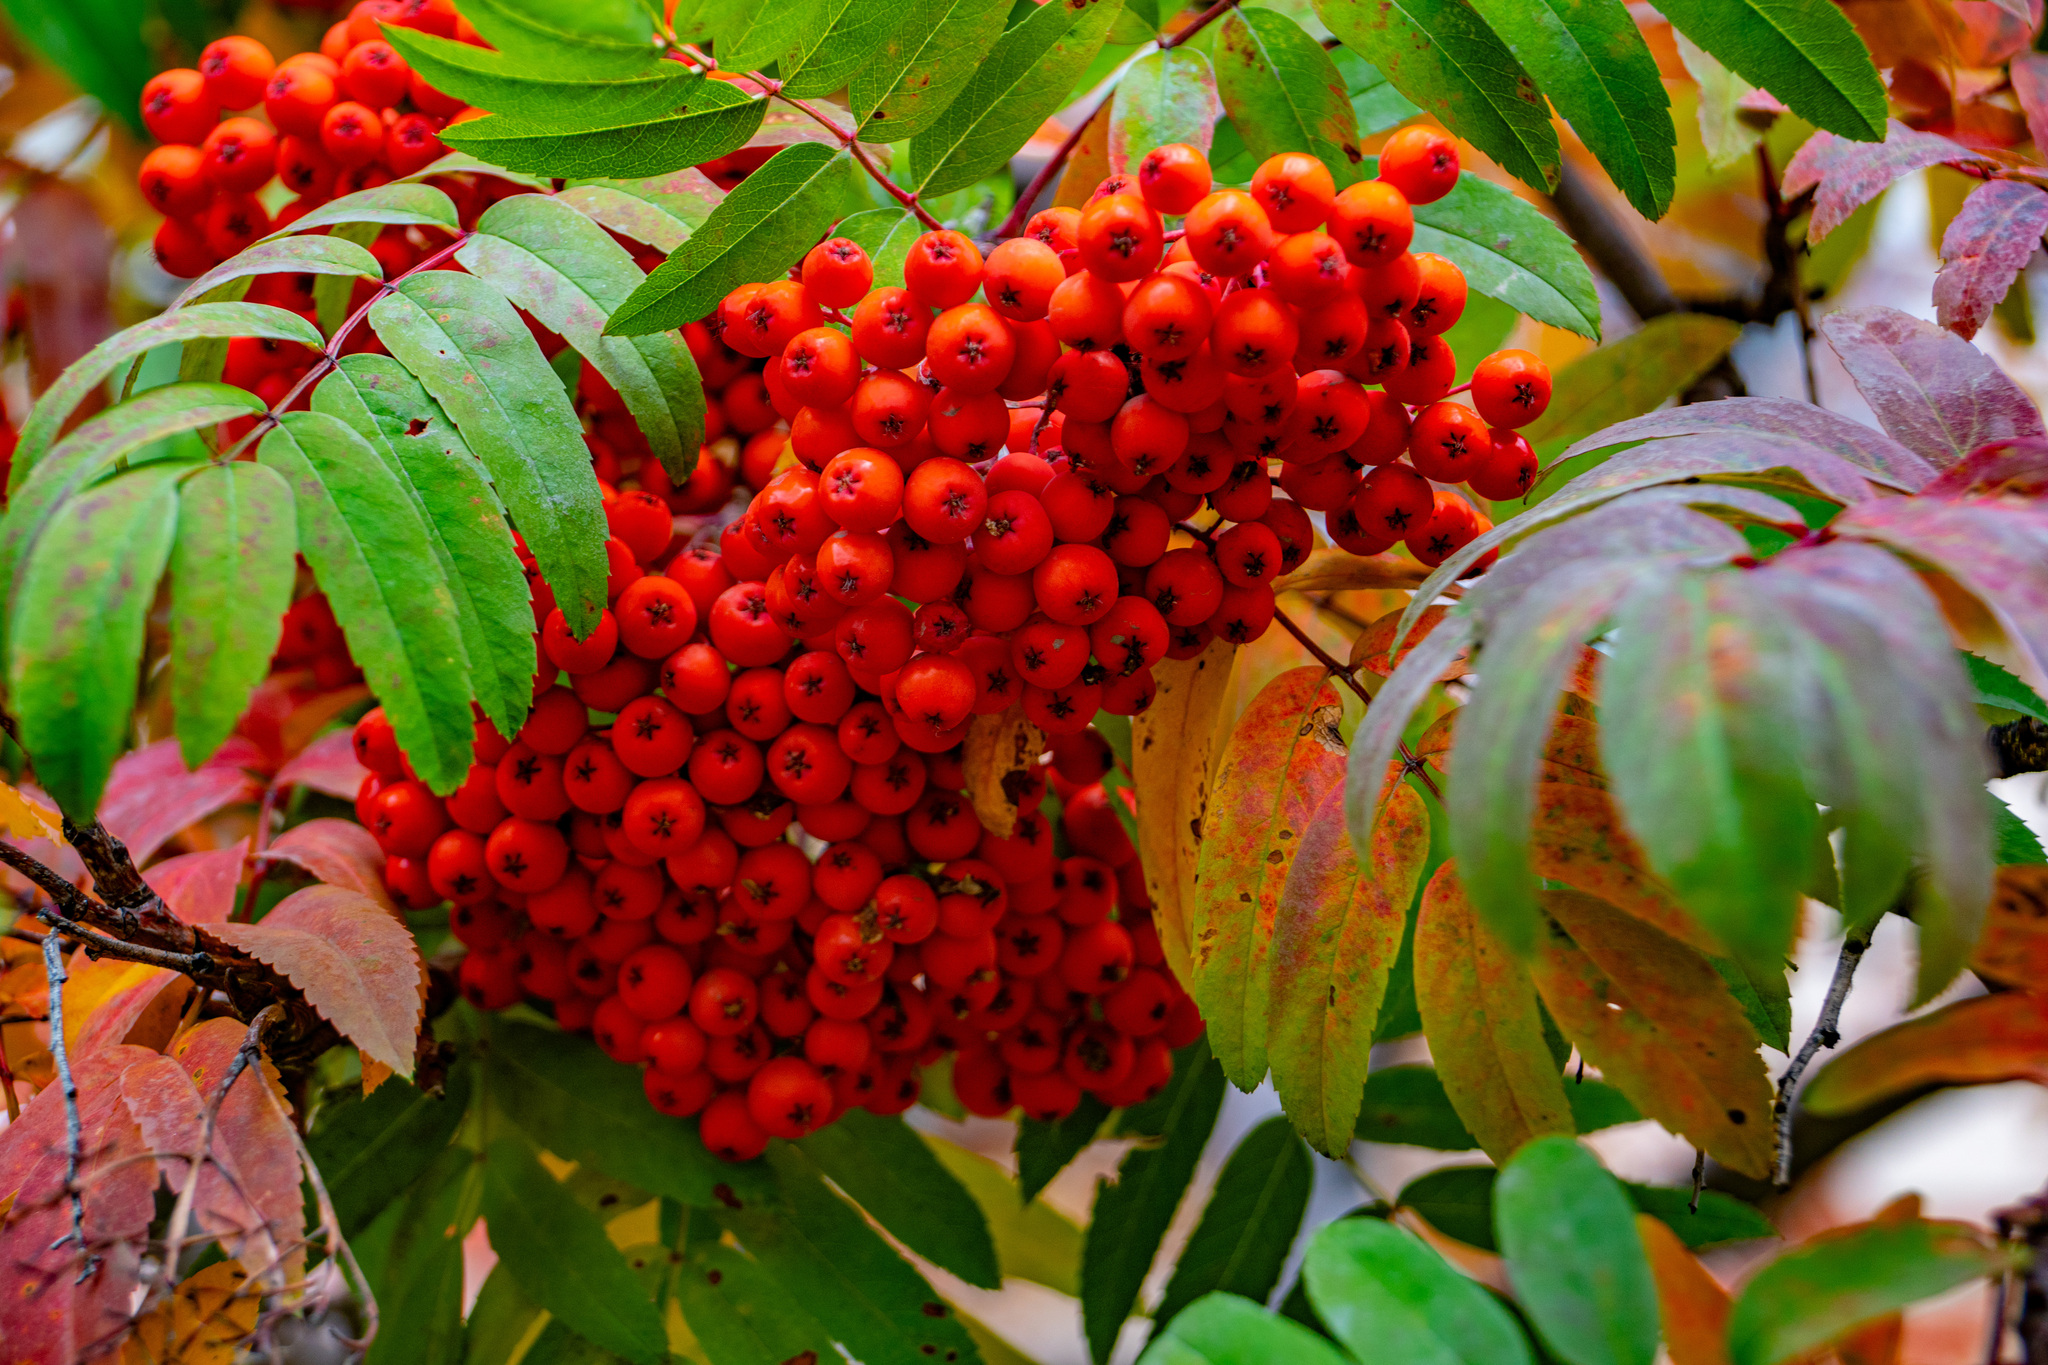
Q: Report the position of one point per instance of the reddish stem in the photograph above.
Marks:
(1329, 661)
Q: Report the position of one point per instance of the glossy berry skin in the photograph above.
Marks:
(1174, 178)
(1511, 388)
(1420, 162)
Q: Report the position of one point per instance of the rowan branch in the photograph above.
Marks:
(74, 1127)
(1826, 1034)
(1344, 673)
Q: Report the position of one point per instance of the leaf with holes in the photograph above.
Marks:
(1283, 92)
(355, 964)
(1983, 250)
(1248, 1225)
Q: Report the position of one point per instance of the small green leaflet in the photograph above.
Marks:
(1044, 1149)
(740, 1314)
(748, 34)
(231, 580)
(653, 133)
(1441, 54)
(648, 210)
(924, 66)
(1574, 1256)
(1387, 1296)
(396, 203)
(531, 89)
(1284, 93)
(370, 1147)
(567, 271)
(1510, 252)
(2017, 842)
(418, 1276)
(888, 1170)
(1249, 1223)
(1375, 102)
(2001, 690)
(76, 626)
(1223, 1329)
(521, 33)
(1594, 65)
(1805, 52)
(886, 235)
(1027, 76)
(841, 41)
(362, 533)
(1164, 97)
(467, 345)
(762, 228)
(331, 256)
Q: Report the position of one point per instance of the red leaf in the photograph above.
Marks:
(356, 964)
(1990, 1038)
(1933, 392)
(2030, 84)
(338, 852)
(1846, 175)
(2018, 467)
(151, 796)
(1986, 246)
(45, 1313)
(328, 765)
(144, 1014)
(200, 887)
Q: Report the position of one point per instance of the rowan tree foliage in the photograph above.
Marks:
(678, 601)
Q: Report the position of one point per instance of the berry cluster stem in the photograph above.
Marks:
(1343, 673)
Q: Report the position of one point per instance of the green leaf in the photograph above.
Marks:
(465, 523)
(1442, 55)
(561, 1258)
(567, 271)
(1407, 1104)
(924, 66)
(1044, 1149)
(843, 38)
(557, 35)
(1223, 1329)
(369, 1148)
(1283, 92)
(1765, 996)
(84, 375)
(886, 235)
(332, 256)
(500, 1321)
(1455, 1200)
(1818, 1291)
(661, 212)
(418, 1281)
(99, 44)
(657, 130)
(1132, 1214)
(76, 627)
(761, 229)
(1375, 103)
(331, 294)
(1574, 1255)
(1721, 1218)
(1033, 1240)
(1593, 64)
(1805, 52)
(1249, 1223)
(536, 90)
(1511, 252)
(397, 203)
(888, 1170)
(231, 579)
(1023, 80)
(584, 1107)
(1999, 689)
(1627, 378)
(827, 1258)
(2017, 842)
(1387, 1296)
(748, 35)
(369, 548)
(469, 348)
(1164, 97)
(740, 1315)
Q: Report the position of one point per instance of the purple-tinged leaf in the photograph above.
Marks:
(1846, 175)
(1377, 735)
(1933, 391)
(1997, 549)
(2030, 83)
(1869, 450)
(2016, 467)
(151, 796)
(1985, 248)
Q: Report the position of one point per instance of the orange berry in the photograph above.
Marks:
(1174, 178)
(1372, 222)
(1420, 162)
(1121, 238)
(236, 70)
(1295, 190)
(177, 107)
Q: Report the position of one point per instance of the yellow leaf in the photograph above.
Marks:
(1088, 164)
(91, 984)
(21, 817)
(206, 1319)
(1171, 744)
(1695, 1306)
(998, 757)
(1341, 571)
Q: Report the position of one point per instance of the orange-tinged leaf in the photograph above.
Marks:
(1874, 1343)
(1370, 648)
(1479, 1013)
(2013, 948)
(356, 964)
(200, 888)
(1172, 744)
(337, 852)
(1342, 571)
(144, 1013)
(1283, 757)
(998, 756)
(1577, 838)
(1487, 1267)
(200, 1325)
(1990, 1038)
(1335, 938)
(1658, 1021)
(24, 817)
(1088, 164)
(88, 985)
(1571, 754)
(1693, 1303)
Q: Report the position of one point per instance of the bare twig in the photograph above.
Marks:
(338, 1248)
(1699, 1178)
(97, 944)
(74, 1128)
(52, 883)
(1343, 674)
(1826, 1034)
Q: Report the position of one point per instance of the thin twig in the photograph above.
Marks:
(1826, 1034)
(1699, 1178)
(97, 944)
(1343, 673)
(338, 1248)
(74, 1127)
(53, 884)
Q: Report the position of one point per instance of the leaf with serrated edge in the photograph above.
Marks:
(1933, 391)
(231, 580)
(466, 344)
(1283, 93)
(1249, 1223)
(652, 134)
(649, 210)
(1442, 55)
(763, 226)
(1479, 1011)
(1846, 175)
(1164, 97)
(1283, 756)
(359, 529)
(1335, 938)
(568, 272)
(922, 67)
(331, 256)
(397, 203)
(888, 1170)
(1658, 1021)
(1805, 52)
(1383, 1293)
(1574, 1256)
(1826, 434)
(464, 521)
(355, 964)
(1019, 85)
(338, 852)
(502, 84)
(1172, 743)
(1984, 249)
(848, 36)
(525, 32)
(76, 629)
(1509, 251)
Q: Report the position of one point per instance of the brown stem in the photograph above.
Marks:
(1826, 1033)
(74, 1129)
(1343, 673)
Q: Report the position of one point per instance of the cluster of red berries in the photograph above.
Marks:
(312, 640)
(349, 117)
(716, 851)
